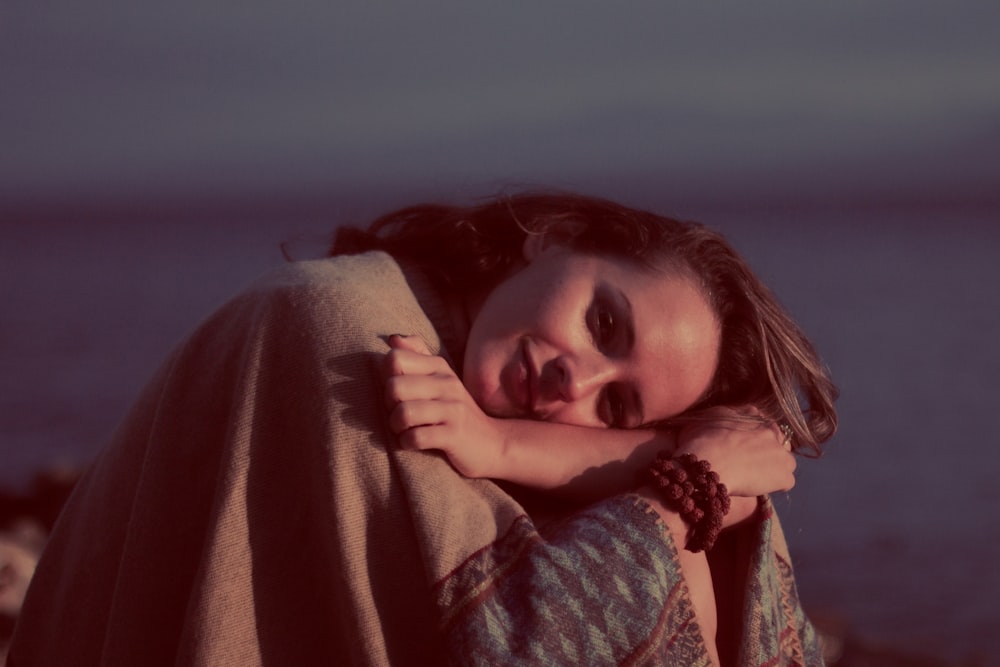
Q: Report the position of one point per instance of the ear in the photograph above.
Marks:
(561, 234)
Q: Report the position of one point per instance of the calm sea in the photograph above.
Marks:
(896, 528)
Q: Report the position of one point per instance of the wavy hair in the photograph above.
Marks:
(765, 359)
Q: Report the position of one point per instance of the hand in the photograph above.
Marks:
(751, 458)
(430, 408)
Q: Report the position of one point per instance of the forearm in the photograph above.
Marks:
(576, 462)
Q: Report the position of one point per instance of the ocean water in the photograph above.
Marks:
(896, 528)
(899, 523)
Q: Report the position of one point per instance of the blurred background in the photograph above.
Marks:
(154, 156)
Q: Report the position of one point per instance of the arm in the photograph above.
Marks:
(431, 409)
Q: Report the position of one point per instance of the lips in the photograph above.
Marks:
(520, 382)
(531, 380)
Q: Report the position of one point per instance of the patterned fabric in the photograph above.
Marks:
(252, 509)
(529, 600)
(581, 596)
(776, 630)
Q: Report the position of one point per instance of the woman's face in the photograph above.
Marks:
(590, 340)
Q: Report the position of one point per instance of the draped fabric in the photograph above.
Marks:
(252, 509)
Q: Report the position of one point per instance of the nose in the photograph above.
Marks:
(573, 378)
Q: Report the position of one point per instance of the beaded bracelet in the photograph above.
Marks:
(691, 488)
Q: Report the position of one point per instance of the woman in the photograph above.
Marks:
(254, 506)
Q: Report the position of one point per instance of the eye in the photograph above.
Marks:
(603, 326)
(612, 407)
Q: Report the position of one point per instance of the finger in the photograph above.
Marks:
(407, 362)
(436, 387)
(413, 414)
(789, 483)
(431, 436)
(411, 343)
(790, 465)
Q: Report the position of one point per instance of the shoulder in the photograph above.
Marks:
(341, 296)
(353, 281)
(335, 276)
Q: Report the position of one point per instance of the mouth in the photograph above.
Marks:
(530, 381)
(520, 382)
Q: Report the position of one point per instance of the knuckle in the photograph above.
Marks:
(412, 439)
(393, 361)
(420, 438)
(392, 389)
(407, 414)
(400, 420)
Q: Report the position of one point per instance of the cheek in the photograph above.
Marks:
(472, 368)
(481, 371)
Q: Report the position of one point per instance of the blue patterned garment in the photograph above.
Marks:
(560, 600)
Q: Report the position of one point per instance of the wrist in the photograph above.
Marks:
(503, 449)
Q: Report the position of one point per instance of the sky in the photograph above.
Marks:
(126, 99)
